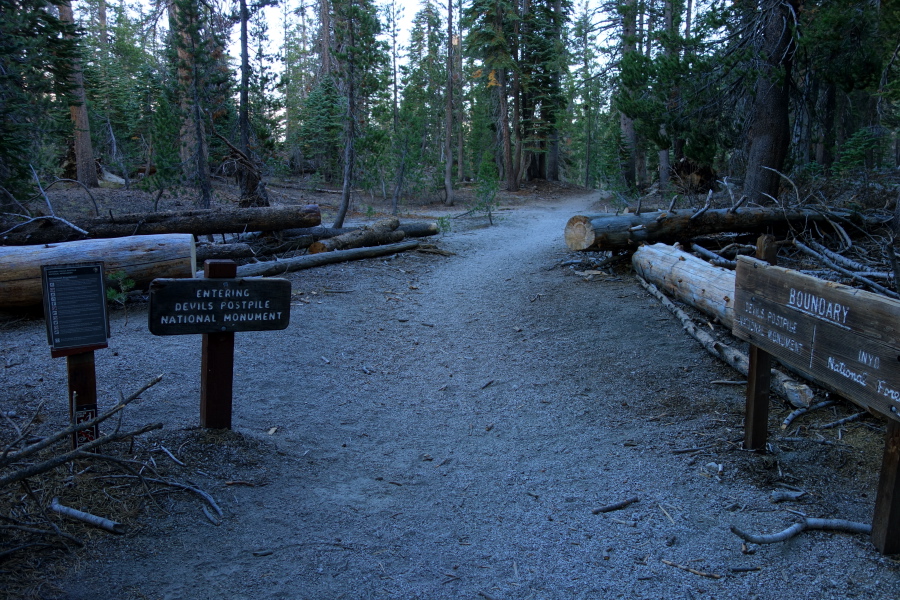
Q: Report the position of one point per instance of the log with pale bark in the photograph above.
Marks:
(689, 279)
(796, 393)
(142, 258)
(378, 234)
(308, 261)
(628, 231)
(197, 222)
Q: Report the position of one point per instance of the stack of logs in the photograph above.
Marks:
(658, 241)
(146, 246)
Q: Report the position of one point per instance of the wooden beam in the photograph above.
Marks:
(217, 362)
(886, 522)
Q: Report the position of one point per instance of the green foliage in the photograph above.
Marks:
(857, 152)
(487, 187)
(36, 54)
(321, 128)
(117, 287)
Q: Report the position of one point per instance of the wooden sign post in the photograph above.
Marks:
(217, 307)
(844, 338)
(77, 324)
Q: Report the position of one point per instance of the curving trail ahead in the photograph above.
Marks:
(445, 426)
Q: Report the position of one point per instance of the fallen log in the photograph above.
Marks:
(217, 251)
(419, 229)
(308, 261)
(379, 233)
(628, 231)
(412, 229)
(142, 258)
(689, 279)
(797, 394)
(197, 222)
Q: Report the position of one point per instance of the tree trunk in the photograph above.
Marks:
(769, 130)
(448, 108)
(197, 222)
(689, 279)
(512, 182)
(698, 281)
(85, 166)
(280, 267)
(350, 131)
(379, 233)
(627, 232)
(143, 258)
(626, 124)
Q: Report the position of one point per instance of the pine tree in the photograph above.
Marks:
(37, 51)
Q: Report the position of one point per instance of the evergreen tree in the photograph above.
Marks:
(37, 51)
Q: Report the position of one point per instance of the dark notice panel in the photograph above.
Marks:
(842, 336)
(75, 305)
(190, 306)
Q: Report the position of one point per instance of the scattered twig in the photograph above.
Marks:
(615, 506)
(735, 208)
(170, 455)
(690, 570)
(787, 495)
(54, 462)
(840, 422)
(8, 457)
(41, 188)
(802, 411)
(831, 264)
(672, 203)
(705, 208)
(101, 522)
(43, 218)
(713, 257)
(797, 528)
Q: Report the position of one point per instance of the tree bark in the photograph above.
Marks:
(627, 232)
(143, 258)
(380, 233)
(769, 129)
(197, 222)
(448, 108)
(265, 269)
(85, 167)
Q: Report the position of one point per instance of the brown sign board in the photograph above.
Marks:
(846, 338)
(190, 306)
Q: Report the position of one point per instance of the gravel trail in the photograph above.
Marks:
(442, 427)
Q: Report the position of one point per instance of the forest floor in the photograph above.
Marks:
(442, 427)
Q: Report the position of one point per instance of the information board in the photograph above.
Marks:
(846, 338)
(75, 305)
(190, 306)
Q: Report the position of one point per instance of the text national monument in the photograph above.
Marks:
(217, 307)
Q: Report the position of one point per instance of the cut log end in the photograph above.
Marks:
(579, 233)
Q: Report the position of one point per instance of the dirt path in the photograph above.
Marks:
(445, 426)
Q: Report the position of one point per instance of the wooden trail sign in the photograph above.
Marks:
(185, 306)
(217, 307)
(846, 338)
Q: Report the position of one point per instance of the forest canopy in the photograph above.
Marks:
(623, 94)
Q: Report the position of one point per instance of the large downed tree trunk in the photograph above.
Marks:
(197, 222)
(223, 251)
(379, 233)
(142, 258)
(709, 289)
(308, 261)
(628, 231)
(689, 279)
